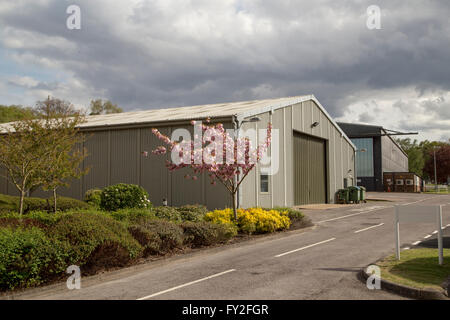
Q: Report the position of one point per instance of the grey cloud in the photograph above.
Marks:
(139, 57)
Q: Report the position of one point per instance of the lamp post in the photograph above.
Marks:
(435, 170)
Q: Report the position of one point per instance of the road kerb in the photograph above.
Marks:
(406, 291)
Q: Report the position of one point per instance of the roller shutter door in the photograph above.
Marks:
(309, 170)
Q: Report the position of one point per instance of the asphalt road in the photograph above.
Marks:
(318, 263)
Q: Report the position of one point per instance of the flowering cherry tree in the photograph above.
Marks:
(218, 152)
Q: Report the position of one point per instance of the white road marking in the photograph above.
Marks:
(427, 236)
(186, 284)
(407, 204)
(434, 232)
(378, 225)
(303, 248)
(416, 243)
(351, 215)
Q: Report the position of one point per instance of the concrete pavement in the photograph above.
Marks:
(318, 263)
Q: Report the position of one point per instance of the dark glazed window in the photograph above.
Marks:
(264, 183)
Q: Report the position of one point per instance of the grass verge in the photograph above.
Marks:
(417, 268)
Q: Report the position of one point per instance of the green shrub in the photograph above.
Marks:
(168, 213)
(93, 197)
(170, 234)
(192, 212)
(121, 196)
(149, 240)
(132, 215)
(298, 219)
(28, 257)
(65, 203)
(292, 213)
(252, 220)
(207, 233)
(96, 240)
(11, 203)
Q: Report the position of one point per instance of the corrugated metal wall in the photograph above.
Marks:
(114, 156)
(340, 161)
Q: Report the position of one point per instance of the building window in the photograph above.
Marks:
(264, 183)
(399, 182)
(364, 157)
(409, 182)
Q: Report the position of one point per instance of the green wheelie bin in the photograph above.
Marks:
(354, 194)
(342, 196)
(362, 196)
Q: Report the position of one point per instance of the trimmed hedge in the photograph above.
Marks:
(170, 234)
(132, 216)
(204, 233)
(252, 220)
(11, 203)
(192, 212)
(168, 213)
(122, 195)
(181, 214)
(92, 234)
(28, 257)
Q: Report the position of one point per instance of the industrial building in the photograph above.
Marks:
(402, 182)
(377, 153)
(316, 158)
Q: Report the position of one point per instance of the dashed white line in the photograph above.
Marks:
(427, 236)
(353, 214)
(186, 284)
(416, 243)
(378, 225)
(303, 248)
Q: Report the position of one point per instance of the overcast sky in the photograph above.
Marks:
(145, 54)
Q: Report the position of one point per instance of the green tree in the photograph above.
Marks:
(15, 112)
(22, 148)
(59, 123)
(42, 151)
(416, 160)
(99, 106)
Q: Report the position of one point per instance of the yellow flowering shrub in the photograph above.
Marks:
(252, 220)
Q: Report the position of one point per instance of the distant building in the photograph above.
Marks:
(377, 153)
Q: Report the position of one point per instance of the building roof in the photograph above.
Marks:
(239, 110)
(359, 130)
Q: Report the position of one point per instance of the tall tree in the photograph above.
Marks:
(60, 122)
(23, 146)
(442, 163)
(99, 106)
(42, 151)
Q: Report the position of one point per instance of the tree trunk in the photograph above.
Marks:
(22, 196)
(54, 200)
(234, 195)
